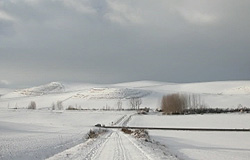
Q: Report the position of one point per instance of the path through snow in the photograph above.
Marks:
(114, 145)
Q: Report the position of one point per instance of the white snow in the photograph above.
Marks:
(237, 120)
(111, 93)
(201, 145)
(115, 145)
(229, 94)
(42, 133)
(238, 90)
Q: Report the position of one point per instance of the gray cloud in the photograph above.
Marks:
(4, 83)
(108, 41)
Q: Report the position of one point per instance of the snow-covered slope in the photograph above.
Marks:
(112, 93)
(221, 94)
(4, 91)
(238, 90)
(224, 94)
(53, 87)
(220, 87)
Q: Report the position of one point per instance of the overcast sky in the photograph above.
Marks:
(111, 41)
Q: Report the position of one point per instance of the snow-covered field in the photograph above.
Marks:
(38, 134)
(201, 145)
(42, 133)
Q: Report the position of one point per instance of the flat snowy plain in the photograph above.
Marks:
(201, 145)
(27, 134)
(61, 134)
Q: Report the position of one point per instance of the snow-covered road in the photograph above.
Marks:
(113, 146)
(119, 146)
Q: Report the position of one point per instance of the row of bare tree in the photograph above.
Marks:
(134, 103)
(177, 103)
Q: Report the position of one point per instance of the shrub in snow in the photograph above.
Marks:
(127, 131)
(92, 134)
(32, 105)
(95, 133)
(141, 134)
(72, 108)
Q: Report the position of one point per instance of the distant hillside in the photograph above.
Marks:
(53, 87)
(112, 93)
(223, 94)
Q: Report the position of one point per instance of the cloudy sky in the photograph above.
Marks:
(111, 41)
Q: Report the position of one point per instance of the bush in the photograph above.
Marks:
(95, 133)
(32, 105)
(141, 134)
(71, 108)
(127, 131)
(92, 134)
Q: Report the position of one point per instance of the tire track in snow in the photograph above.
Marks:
(123, 121)
(119, 147)
(121, 150)
(119, 120)
(138, 148)
(112, 149)
(95, 152)
(119, 140)
(114, 145)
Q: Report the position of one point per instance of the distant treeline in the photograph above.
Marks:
(209, 110)
(177, 103)
(215, 110)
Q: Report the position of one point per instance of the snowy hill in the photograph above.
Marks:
(223, 94)
(53, 87)
(220, 87)
(5, 91)
(238, 90)
(112, 93)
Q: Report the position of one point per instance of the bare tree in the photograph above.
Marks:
(53, 106)
(132, 103)
(119, 104)
(135, 103)
(138, 102)
(32, 105)
(195, 101)
(59, 105)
